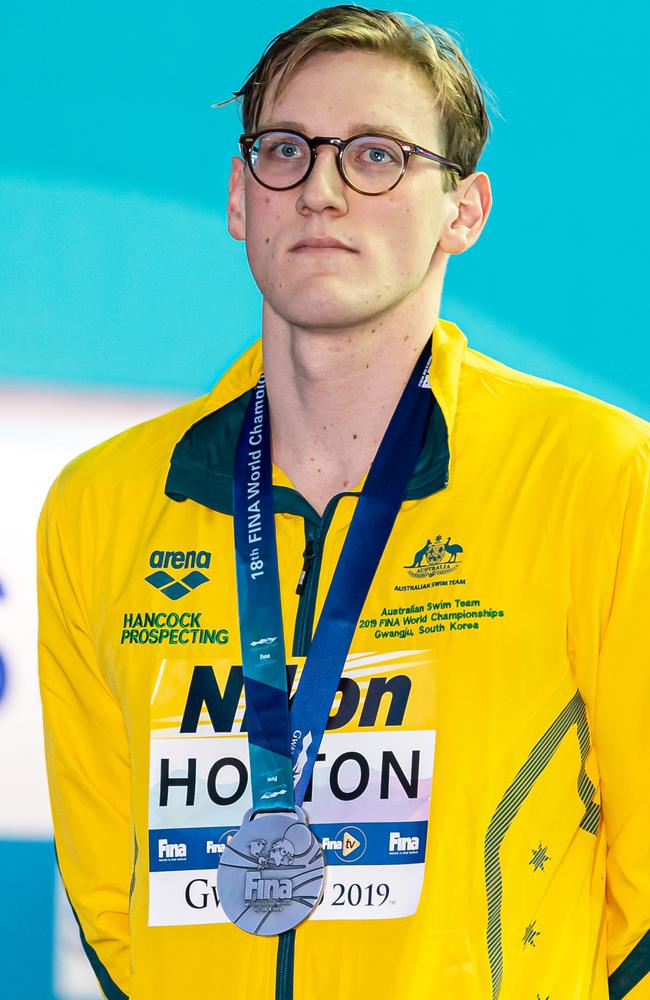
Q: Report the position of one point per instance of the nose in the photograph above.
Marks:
(324, 187)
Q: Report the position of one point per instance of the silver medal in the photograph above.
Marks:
(271, 874)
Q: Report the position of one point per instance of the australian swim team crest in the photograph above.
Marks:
(436, 558)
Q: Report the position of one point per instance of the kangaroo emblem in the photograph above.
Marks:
(420, 554)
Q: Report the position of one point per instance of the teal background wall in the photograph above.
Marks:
(116, 263)
(116, 267)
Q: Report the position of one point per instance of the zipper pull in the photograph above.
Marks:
(308, 555)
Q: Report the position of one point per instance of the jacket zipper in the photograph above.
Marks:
(308, 586)
(307, 589)
(307, 557)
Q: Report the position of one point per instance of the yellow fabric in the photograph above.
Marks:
(537, 873)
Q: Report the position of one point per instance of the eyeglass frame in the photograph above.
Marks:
(246, 141)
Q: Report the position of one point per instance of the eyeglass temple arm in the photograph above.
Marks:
(421, 151)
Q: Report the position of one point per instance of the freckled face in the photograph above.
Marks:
(391, 237)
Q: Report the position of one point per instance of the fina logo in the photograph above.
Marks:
(171, 852)
(397, 844)
(349, 844)
(167, 584)
(258, 887)
(219, 846)
(269, 881)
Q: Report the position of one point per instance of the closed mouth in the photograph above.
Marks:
(321, 244)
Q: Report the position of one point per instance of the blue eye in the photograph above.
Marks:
(280, 149)
(286, 149)
(369, 153)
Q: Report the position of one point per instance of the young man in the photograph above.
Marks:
(464, 620)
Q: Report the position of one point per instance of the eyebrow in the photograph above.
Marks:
(359, 128)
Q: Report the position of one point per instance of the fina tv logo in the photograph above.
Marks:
(349, 844)
(170, 586)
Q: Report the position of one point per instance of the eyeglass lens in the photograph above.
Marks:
(371, 164)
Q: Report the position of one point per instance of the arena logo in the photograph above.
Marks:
(170, 586)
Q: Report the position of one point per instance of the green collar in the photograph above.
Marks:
(203, 461)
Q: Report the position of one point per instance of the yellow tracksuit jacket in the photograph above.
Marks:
(483, 789)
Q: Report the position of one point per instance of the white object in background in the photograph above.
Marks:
(40, 431)
(73, 977)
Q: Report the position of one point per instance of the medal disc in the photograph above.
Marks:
(271, 873)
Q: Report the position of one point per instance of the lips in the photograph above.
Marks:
(321, 243)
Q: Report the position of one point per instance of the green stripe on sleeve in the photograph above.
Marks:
(631, 970)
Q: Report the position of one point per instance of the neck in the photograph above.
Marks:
(331, 396)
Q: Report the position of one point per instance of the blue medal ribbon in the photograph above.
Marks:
(283, 742)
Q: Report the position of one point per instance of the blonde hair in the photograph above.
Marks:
(456, 93)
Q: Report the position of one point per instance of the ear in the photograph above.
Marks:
(469, 207)
(236, 207)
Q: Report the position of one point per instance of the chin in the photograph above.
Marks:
(332, 309)
(335, 317)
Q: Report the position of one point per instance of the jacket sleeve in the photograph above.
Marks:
(622, 738)
(86, 749)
